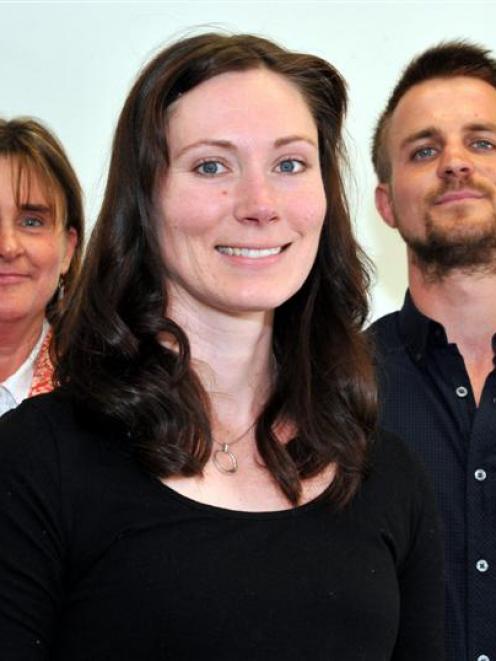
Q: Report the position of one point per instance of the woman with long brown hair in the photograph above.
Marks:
(207, 482)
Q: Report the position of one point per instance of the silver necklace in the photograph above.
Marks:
(225, 460)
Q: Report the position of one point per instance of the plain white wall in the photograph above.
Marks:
(71, 64)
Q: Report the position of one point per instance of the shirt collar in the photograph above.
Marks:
(417, 330)
(19, 383)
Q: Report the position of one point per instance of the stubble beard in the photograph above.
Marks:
(467, 244)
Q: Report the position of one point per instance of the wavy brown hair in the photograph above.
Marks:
(34, 150)
(109, 354)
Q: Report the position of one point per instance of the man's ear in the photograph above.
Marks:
(384, 204)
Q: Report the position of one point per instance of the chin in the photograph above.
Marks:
(238, 307)
(12, 315)
(260, 301)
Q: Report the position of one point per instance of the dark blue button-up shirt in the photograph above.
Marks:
(426, 398)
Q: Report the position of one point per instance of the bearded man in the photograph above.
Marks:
(434, 152)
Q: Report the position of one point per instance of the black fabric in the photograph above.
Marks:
(427, 399)
(100, 561)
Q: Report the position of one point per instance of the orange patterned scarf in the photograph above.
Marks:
(43, 369)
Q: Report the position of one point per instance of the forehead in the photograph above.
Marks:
(445, 104)
(26, 182)
(241, 103)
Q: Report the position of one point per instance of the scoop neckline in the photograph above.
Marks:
(226, 512)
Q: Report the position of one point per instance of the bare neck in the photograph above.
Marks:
(233, 358)
(17, 340)
(465, 304)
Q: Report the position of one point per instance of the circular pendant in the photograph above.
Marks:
(225, 461)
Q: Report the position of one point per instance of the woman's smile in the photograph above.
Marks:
(242, 204)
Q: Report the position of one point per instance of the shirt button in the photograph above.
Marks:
(480, 475)
(482, 565)
(461, 391)
(483, 657)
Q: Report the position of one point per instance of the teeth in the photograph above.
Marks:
(253, 253)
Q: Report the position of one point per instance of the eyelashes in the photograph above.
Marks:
(291, 166)
(215, 167)
(32, 222)
(424, 153)
(427, 152)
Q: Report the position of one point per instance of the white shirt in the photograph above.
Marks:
(16, 388)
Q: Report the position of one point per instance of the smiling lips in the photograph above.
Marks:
(459, 196)
(12, 278)
(251, 253)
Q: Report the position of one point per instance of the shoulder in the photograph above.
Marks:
(51, 432)
(67, 465)
(387, 449)
(55, 412)
(32, 441)
(27, 424)
(36, 418)
(396, 498)
(395, 472)
(384, 332)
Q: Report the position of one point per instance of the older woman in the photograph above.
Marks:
(41, 234)
(204, 485)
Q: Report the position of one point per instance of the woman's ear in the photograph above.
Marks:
(71, 241)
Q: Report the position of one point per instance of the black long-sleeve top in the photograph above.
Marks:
(100, 561)
(427, 399)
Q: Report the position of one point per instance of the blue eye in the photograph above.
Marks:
(423, 153)
(290, 166)
(483, 144)
(210, 168)
(32, 221)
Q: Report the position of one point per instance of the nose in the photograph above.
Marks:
(256, 200)
(455, 164)
(10, 246)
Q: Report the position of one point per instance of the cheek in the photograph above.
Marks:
(48, 255)
(406, 195)
(489, 172)
(191, 216)
(308, 210)
(413, 187)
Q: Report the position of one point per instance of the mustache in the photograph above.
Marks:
(452, 187)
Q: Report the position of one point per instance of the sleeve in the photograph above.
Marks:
(32, 549)
(421, 630)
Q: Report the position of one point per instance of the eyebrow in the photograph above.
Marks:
(37, 208)
(428, 132)
(282, 142)
(433, 132)
(486, 126)
(227, 144)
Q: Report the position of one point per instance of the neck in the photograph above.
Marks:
(233, 357)
(17, 340)
(465, 305)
